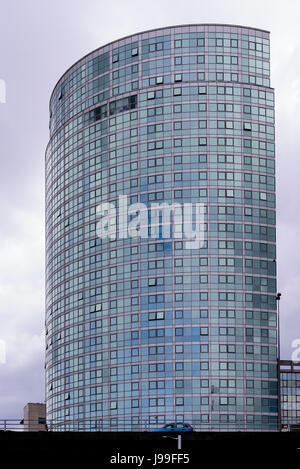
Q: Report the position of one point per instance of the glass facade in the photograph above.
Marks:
(290, 393)
(144, 330)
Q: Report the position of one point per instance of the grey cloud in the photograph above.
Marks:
(38, 42)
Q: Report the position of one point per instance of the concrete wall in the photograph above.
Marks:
(34, 417)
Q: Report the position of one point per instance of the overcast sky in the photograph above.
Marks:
(39, 40)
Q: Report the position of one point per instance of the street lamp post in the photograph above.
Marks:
(178, 438)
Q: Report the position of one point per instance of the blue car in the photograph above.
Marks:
(175, 427)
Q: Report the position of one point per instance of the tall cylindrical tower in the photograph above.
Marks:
(143, 326)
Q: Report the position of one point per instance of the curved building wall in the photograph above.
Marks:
(144, 329)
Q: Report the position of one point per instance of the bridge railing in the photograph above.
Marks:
(125, 425)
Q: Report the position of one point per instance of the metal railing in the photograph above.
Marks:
(127, 425)
(21, 425)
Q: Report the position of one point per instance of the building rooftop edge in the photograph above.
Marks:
(149, 31)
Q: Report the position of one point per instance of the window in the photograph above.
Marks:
(122, 105)
(179, 401)
(134, 250)
(158, 350)
(224, 107)
(225, 348)
(156, 47)
(225, 193)
(225, 90)
(177, 125)
(156, 367)
(178, 297)
(225, 176)
(178, 314)
(156, 145)
(179, 383)
(156, 385)
(223, 400)
(224, 296)
(263, 196)
(156, 402)
(156, 316)
(155, 299)
(158, 264)
(227, 313)
(255, 46)
(224, 124)
(226, 210)
(178, 279)
(134, 51)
